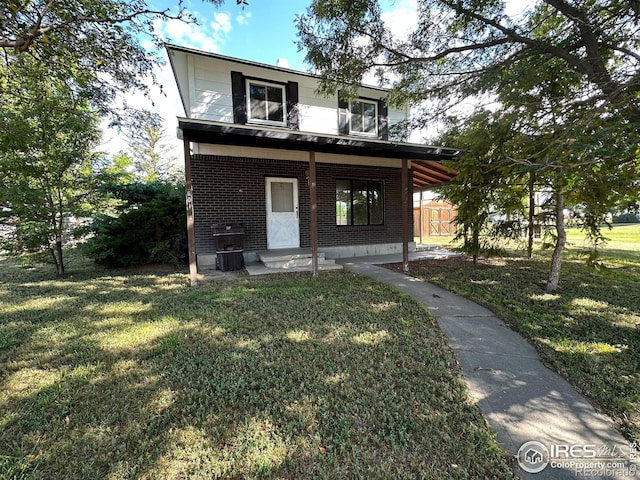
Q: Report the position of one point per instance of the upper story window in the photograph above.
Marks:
(363, 117)
(266, 103)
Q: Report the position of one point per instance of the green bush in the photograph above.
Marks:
(151, 229)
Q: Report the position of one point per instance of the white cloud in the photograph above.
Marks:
(243, 18)
(221, 22)
(190, 35)
(401, 18)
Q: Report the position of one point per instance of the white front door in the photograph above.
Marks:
(283, 225)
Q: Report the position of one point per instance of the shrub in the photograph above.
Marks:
(151, 229)
(626, 218)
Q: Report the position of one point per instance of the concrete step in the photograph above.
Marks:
(286, 255)
(297, 262)
(261, 269)
(292, 260)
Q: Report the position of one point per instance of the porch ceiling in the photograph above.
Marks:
(427, 169)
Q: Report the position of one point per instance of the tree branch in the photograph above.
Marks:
(600, 75)
(24, 43)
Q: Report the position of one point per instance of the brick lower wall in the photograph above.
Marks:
(232, 190)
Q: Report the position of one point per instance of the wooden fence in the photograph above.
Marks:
(435, 218)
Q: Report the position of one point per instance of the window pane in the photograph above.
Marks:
(356, 123)
(257, 95)
(369, 125)
(369, 109)
(376, 203)
(275, 101)
(281, 197)
(360, 202)
(257, 92)
(343, 202)
(369, 121)
(363, 117)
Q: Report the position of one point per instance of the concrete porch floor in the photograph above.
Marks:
(423, 252)
(426, 252)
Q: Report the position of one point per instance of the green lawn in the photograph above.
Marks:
(116, 375)
(589, 331)
(620, 237)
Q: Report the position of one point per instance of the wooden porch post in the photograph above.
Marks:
(405, 216)
(314, 213)
(191, 238)
(421, 220)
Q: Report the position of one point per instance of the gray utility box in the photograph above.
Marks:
(229, 241)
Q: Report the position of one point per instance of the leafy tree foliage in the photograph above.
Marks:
(151, 227)
(564, 78)
(91, 45)
(459, 47)
(46, 166)
(150, 148)
(486, 187)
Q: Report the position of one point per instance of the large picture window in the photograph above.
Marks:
(359, 202)
(363, 117)
(266, 103)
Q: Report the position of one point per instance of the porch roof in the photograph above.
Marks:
(427, 169)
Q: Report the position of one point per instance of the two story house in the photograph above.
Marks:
(298, 170)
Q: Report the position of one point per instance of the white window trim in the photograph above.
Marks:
(284, 103)
(364, 134)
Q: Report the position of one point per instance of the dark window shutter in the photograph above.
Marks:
(293, 121)
(343, 114)
(383, 120)
(238, 94)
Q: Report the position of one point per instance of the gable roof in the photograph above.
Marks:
(289, 71)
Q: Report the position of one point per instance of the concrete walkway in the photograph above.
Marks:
(521, 399)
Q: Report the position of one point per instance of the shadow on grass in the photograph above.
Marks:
(587, 331)
(140, 376)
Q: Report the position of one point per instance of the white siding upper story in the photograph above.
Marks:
(205, 85)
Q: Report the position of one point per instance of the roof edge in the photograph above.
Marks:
(171, 46)
(294, 139)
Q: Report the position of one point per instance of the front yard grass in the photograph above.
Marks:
(122, 375)
(589, 331)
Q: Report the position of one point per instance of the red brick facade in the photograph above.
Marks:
(232, 190)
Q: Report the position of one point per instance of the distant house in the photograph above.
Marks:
(298, 170)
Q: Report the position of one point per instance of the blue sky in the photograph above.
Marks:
(261, 31)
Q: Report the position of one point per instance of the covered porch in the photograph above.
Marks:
(236, 165)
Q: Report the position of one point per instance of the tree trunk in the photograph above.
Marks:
(60, 263)
(476, 243)
(56, 256)
(532, 212)
(556, 259)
